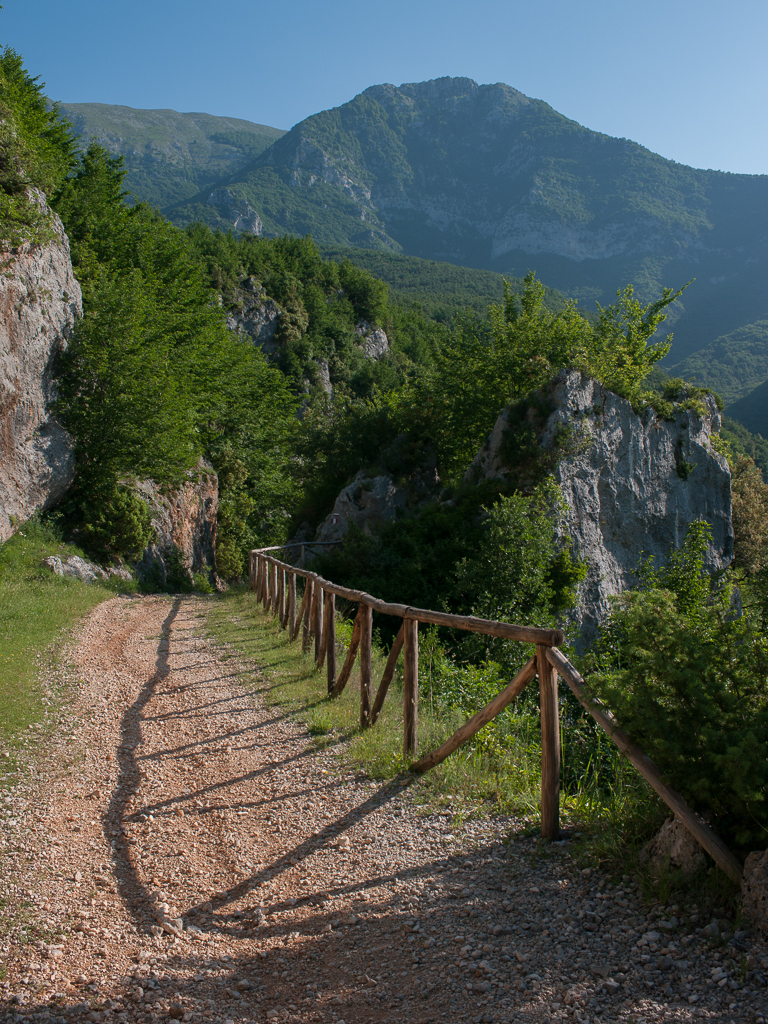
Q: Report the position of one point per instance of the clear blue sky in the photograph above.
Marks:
(686, 78)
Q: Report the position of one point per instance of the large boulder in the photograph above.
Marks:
(673, 848)
(631, 482)
(40, 302)
(366, 501)
(184, 521)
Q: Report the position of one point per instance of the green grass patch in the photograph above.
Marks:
(36, 608)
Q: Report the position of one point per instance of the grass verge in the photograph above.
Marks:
(492, 774)
(36, 608)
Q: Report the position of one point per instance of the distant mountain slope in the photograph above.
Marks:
(752, 410)
(486, 177)
(171, 156)
(733, 365)
(441, 289)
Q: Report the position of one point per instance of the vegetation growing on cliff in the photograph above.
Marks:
(37, 151)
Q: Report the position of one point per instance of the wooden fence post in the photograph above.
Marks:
(273, 589)
(550, 746)
(320, 657)
(291, 604)
(280, 595)
(265, 588)
(309, 601)
(259, 570)
(317, 622)
(411, 687)
(366, 641)
(330, 638)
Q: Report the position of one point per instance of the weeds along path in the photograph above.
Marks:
(183, 851)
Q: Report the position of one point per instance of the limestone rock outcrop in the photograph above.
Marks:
(40, 301)
(255, 316)
(184, 521)
(631, 482)
(364, 502)
(80, 569)
(373, 340)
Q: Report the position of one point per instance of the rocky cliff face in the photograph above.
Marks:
(631, 483)
(253, 315)
(365, 502)
(40, 301)
(184, 521)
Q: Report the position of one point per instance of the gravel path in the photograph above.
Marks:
(182, 851)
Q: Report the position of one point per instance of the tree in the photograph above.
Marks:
(37, 150)
(481, 369)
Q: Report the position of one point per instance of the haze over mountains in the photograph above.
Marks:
(482, 176)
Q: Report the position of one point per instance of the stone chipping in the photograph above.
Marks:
(182, 851)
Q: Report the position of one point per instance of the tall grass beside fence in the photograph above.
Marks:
(498, 772)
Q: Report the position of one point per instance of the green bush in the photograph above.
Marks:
(688, 680)
(110, 522)
(178, 577)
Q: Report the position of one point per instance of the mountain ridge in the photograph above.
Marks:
(483, 176)
(170, 155)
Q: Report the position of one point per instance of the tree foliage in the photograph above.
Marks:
(152, 379)
(688, 679)
(485, 367)
(37, 151)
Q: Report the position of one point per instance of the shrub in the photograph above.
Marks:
(110, 522)
(688, 680)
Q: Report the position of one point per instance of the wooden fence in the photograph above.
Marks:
(274, 583)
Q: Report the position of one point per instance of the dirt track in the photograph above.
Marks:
(185, 852)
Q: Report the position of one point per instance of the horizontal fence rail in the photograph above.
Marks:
(274, 583)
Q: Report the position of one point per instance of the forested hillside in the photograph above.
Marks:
(169, 156)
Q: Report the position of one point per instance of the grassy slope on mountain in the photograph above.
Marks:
(170, 156)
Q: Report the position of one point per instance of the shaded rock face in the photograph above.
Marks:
(40, 302)
(184, 520)
(631, 483)
(255, 316)
(366, 501)
(237, 210)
